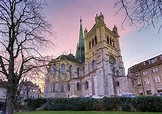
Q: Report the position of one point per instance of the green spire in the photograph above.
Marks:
(80, 46)
(81, 40)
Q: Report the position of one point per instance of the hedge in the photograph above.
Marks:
(71, 104)
(32, 104)
(144, 104)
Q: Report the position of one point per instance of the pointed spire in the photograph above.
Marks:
(80, 47)
(80, 20)
(81, 40)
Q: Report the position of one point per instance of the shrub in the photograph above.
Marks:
(148, 104)
(71, 104)
(144, 104)
(110, 103)
(32, 104)
(126, 103)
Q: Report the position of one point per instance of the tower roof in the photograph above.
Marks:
(80, 46)
(81, 40)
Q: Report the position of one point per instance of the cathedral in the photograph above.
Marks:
(96, 70)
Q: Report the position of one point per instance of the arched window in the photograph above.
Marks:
(117, 72)
(54, 87)
(70, 70)
(62, 68)
(133, 82)
(112, 60)
(94, 64)
(117, 83)
(77, 71)
(95, 40)
(78, 86)
(92, 42)
(62, 87)
(68, 87)
(89, 44)
(86, 85)
(108, 40)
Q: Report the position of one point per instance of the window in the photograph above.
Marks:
(144, 72)
(83, 70)
(138, 83)
(68, 87)
(95, 40)
(153, 60)
(112, 60)
(117, 72)
(155, 69)
(70, 70)
(117, 83)
(54, 87)
(144, 63)
(157, 79)
(62, 87)
(62, 68)
(77, 71)
(108, 40)
(146, 81)
(140, 94)
(86, 85)
(94, 64)
(132, 82)
(54, 69)
(89, 44)
(148, 92)
(137, 74)
(78, 86)
(92, 42)
(160, 90)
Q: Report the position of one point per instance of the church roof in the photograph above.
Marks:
(69, 57)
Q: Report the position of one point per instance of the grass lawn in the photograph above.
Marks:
(85, 112)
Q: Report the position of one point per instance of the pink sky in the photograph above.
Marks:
(65, 14)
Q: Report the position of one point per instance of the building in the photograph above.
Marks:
(28, 89)
(96, 70)
(145, 78)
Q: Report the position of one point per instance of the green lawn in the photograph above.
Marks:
(85, 112)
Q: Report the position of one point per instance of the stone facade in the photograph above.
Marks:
(100, 73)
(145, 78)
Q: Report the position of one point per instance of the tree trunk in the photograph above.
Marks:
(10, 104)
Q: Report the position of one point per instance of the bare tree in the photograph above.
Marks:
(143, 12)
(22, 33)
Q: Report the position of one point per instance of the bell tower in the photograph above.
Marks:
(103, 56)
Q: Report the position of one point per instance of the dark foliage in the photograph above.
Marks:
(32, 104)
(144, 104)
